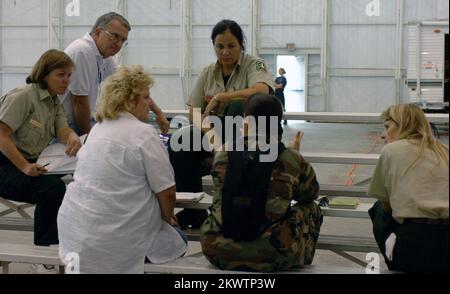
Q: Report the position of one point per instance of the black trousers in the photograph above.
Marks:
(46, 192)
(420, 248)
(189, 168)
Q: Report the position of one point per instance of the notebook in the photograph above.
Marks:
(344, 202)
(190, 197)
(55, 160)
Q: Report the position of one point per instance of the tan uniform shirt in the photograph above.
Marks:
(248, 72)
(34, 117)
(420, 193)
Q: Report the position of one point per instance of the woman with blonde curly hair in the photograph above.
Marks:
(410, 222)
(120, 207)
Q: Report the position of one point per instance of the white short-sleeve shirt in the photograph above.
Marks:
(110, 215)
(90, 70)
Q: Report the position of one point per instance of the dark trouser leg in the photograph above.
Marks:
(47, 192)
(189, 168)
(421, 248)
(383, 225)
(188, 177)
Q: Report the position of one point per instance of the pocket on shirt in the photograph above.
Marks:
(30, 134)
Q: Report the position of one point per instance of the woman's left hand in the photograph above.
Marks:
(163, 123)
(73, 144)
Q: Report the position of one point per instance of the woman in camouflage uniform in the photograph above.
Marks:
(291, 237)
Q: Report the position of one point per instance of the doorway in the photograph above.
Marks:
(296, 76)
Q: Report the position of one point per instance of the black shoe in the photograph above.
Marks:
(285, 122)
(191, 217)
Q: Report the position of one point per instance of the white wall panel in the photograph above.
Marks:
(23, 46)
(21, 12)
(154, 12)
(210, 12)
(155, 47)
(304, 36)
(167, 92)
(89, 12)
(416, 10)
(11, 81)
(361, 94)
(354, 12)
(202, 47)
(290, 11)
(315, 99)
(362, 46)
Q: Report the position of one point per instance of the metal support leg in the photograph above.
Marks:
(351, 258)
(5, 267)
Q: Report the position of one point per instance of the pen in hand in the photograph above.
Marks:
(42, 168)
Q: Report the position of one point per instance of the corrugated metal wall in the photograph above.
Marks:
(362, 48)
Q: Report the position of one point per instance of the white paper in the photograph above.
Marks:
(189, 197)
(56, 161)
(389, 245)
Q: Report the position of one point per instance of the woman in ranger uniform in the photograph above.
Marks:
(221, 89)
(252, 225)
(30, 117)
(410, 220)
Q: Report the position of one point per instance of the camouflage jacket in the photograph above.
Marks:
(284, 245)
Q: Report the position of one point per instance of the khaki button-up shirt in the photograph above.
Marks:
(248, 72)
(34, 116)
(422, 192)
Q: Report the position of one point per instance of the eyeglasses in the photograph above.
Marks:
(116, 38)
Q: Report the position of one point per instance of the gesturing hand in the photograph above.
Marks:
(297, 141)
(163, 123)
(73, 145)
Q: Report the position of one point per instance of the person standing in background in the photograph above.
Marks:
(280, 85)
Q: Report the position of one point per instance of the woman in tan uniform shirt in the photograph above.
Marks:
(410, 222)
(220, 90)
(30, 117)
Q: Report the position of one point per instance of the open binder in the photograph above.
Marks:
(190, 197)
(56, 161)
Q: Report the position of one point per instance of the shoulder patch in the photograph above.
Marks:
(260, 66)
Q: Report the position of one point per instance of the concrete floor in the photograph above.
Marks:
(319, 137)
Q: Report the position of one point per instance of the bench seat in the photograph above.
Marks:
(24, 253)
(198, 264)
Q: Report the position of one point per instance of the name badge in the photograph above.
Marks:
(36, 124)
